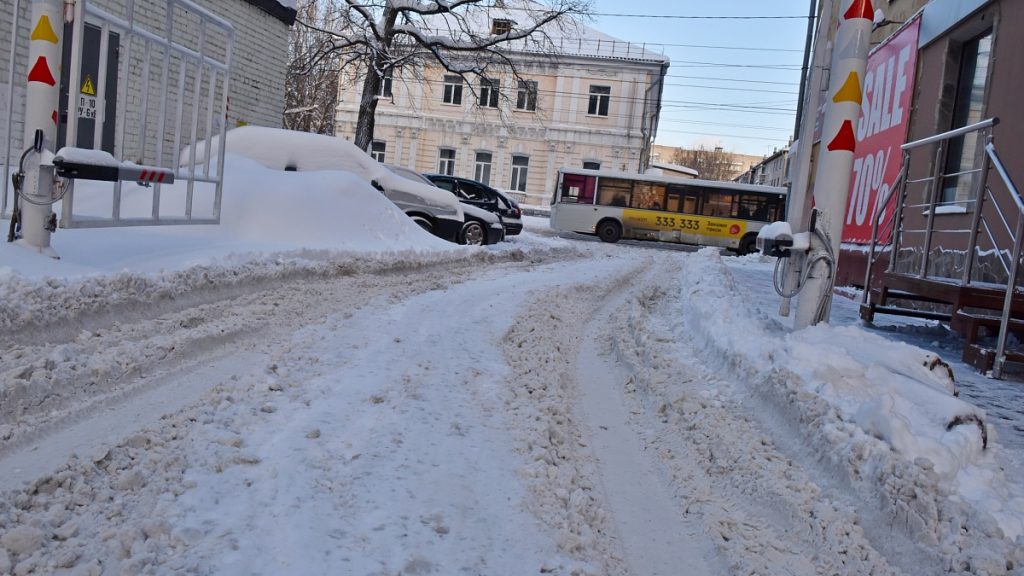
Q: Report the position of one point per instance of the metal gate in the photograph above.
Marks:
(172, 59)
(174, 79)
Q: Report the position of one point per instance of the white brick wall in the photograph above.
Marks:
(258, 67)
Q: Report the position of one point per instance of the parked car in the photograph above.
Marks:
(479, 194)
(433, 209)
(479, 227)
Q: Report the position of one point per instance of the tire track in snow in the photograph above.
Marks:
(656, 534)
(768, 515)
(49, 385)
(126, 509)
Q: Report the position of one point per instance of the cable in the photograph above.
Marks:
(680, 17)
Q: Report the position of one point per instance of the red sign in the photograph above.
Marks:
(885, 115)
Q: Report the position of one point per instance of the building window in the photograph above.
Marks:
(500, 26)
(446, 161)
(599, 98)
(591, 165)
(377, 150)
(520, 165)
(384, 90)
(968, 108)
(489, 92)
(452, 89)
(526, 97)
(482, 173)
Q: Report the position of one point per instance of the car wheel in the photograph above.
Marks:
(473, 234)
(609, 231)
(424, 223)
(748, 245)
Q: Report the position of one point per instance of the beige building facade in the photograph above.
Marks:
(594, 104)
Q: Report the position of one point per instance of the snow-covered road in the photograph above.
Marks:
(546, 413)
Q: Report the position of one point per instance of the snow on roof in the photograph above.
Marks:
(674, 168)
(565, 38)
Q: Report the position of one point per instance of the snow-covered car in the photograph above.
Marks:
(483, 196)
(480, 226)
(432, 208)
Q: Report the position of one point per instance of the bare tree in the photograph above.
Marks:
(311, 82)
(381, 36)
(715, 164)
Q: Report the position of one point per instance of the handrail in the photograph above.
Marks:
(1018, 244)
(1010, 260)
(990, 149)
(950, 134)
(900, 186)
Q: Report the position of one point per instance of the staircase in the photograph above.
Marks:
(910, 286)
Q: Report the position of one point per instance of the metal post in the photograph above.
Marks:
(934, 189)
(42, 99)
(1011, 289)
(897, 218)
(835, 157)
(979, 204)
(879, 208)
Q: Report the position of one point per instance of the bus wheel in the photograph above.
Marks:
(748, 245)
(609, 231)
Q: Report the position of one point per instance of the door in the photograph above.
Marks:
(86, 95)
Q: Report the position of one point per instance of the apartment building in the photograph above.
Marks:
(592, 102)
(772, 170)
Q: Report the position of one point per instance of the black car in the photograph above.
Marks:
(479, 194)
(479, 226)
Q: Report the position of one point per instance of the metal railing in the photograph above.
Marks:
(995, 220)
(200, 64)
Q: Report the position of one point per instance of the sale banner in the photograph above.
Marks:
(888, 89)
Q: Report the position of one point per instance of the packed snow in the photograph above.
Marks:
(317, 385)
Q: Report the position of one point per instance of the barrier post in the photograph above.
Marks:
(835, 158)
(42, 98)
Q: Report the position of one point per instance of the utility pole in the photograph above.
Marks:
(812, 11)
(798, 202)
(41, 100)
(835, 159)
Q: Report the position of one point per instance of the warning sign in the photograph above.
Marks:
(87, 106)
(88, 88)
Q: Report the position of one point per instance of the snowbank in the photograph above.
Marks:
(883, 414)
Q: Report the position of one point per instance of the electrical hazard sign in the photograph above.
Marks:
(87, 101)
(88, 88)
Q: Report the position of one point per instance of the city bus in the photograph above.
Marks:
(616, 205)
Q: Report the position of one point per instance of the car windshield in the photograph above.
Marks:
(409, 174)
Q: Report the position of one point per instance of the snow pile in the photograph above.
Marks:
(881, 413)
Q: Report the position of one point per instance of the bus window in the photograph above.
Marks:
(691, 204)
(683, 199)
(648, 196)
(759, 207)
(614, 192)
(577, 189)
(719, 204)
(673, 202)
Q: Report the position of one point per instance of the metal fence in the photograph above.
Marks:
(172, 67)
